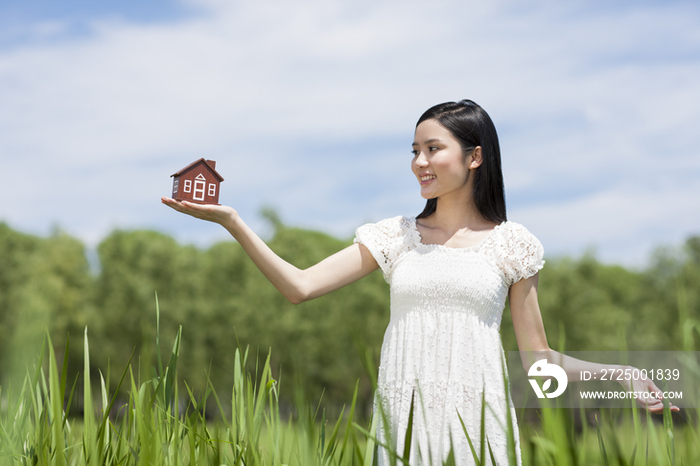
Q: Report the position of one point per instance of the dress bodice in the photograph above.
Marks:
(417, 270)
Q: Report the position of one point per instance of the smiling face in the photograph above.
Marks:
(439, 161)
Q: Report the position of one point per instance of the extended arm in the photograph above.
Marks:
(532, 341)
(336, 271)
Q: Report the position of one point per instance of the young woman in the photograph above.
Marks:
(450, 270)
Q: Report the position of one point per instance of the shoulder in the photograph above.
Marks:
(394, 227)
(388, 240)
(519, 253)
(513, 232)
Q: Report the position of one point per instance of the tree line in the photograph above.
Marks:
(319, 347)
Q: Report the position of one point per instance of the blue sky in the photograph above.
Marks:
(309, 107)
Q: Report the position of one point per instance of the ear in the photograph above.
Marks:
(475, 158)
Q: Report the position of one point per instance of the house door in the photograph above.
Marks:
(199, 185)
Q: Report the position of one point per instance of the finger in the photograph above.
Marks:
(195, 206)
(170, 202)
(173, 204)
(183, 208)
(201, 211)
(657, 407)
(654, 407)
(186, 205)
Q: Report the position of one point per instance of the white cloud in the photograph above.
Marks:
(591, 107)
(623, 224)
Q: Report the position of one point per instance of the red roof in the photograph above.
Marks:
(209, 163)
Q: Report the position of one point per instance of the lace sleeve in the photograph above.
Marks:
(387, 240)
(520, 253)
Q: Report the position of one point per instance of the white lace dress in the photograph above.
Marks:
(443, 341)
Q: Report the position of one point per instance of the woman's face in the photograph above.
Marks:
(439, 162)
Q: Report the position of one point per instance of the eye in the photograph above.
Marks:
(415, 152)
(433, 148)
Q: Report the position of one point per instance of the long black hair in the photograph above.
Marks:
(472, 126)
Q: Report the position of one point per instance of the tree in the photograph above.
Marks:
(45, 283)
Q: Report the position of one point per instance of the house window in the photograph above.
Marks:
(212, 189)
(188, 186)
(176, 185)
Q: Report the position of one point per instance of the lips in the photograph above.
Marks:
(426, 178)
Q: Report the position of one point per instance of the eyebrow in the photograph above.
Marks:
(429, 141)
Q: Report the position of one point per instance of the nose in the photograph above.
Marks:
(421, 160)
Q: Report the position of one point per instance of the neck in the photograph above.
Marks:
(457, 212)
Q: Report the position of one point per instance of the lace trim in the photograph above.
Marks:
(516, 253)
(484, 243)
(438, 395)
(388, 241)
(437, 425)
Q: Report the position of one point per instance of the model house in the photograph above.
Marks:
(197, 182)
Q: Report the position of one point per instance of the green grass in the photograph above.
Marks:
(165, 423)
